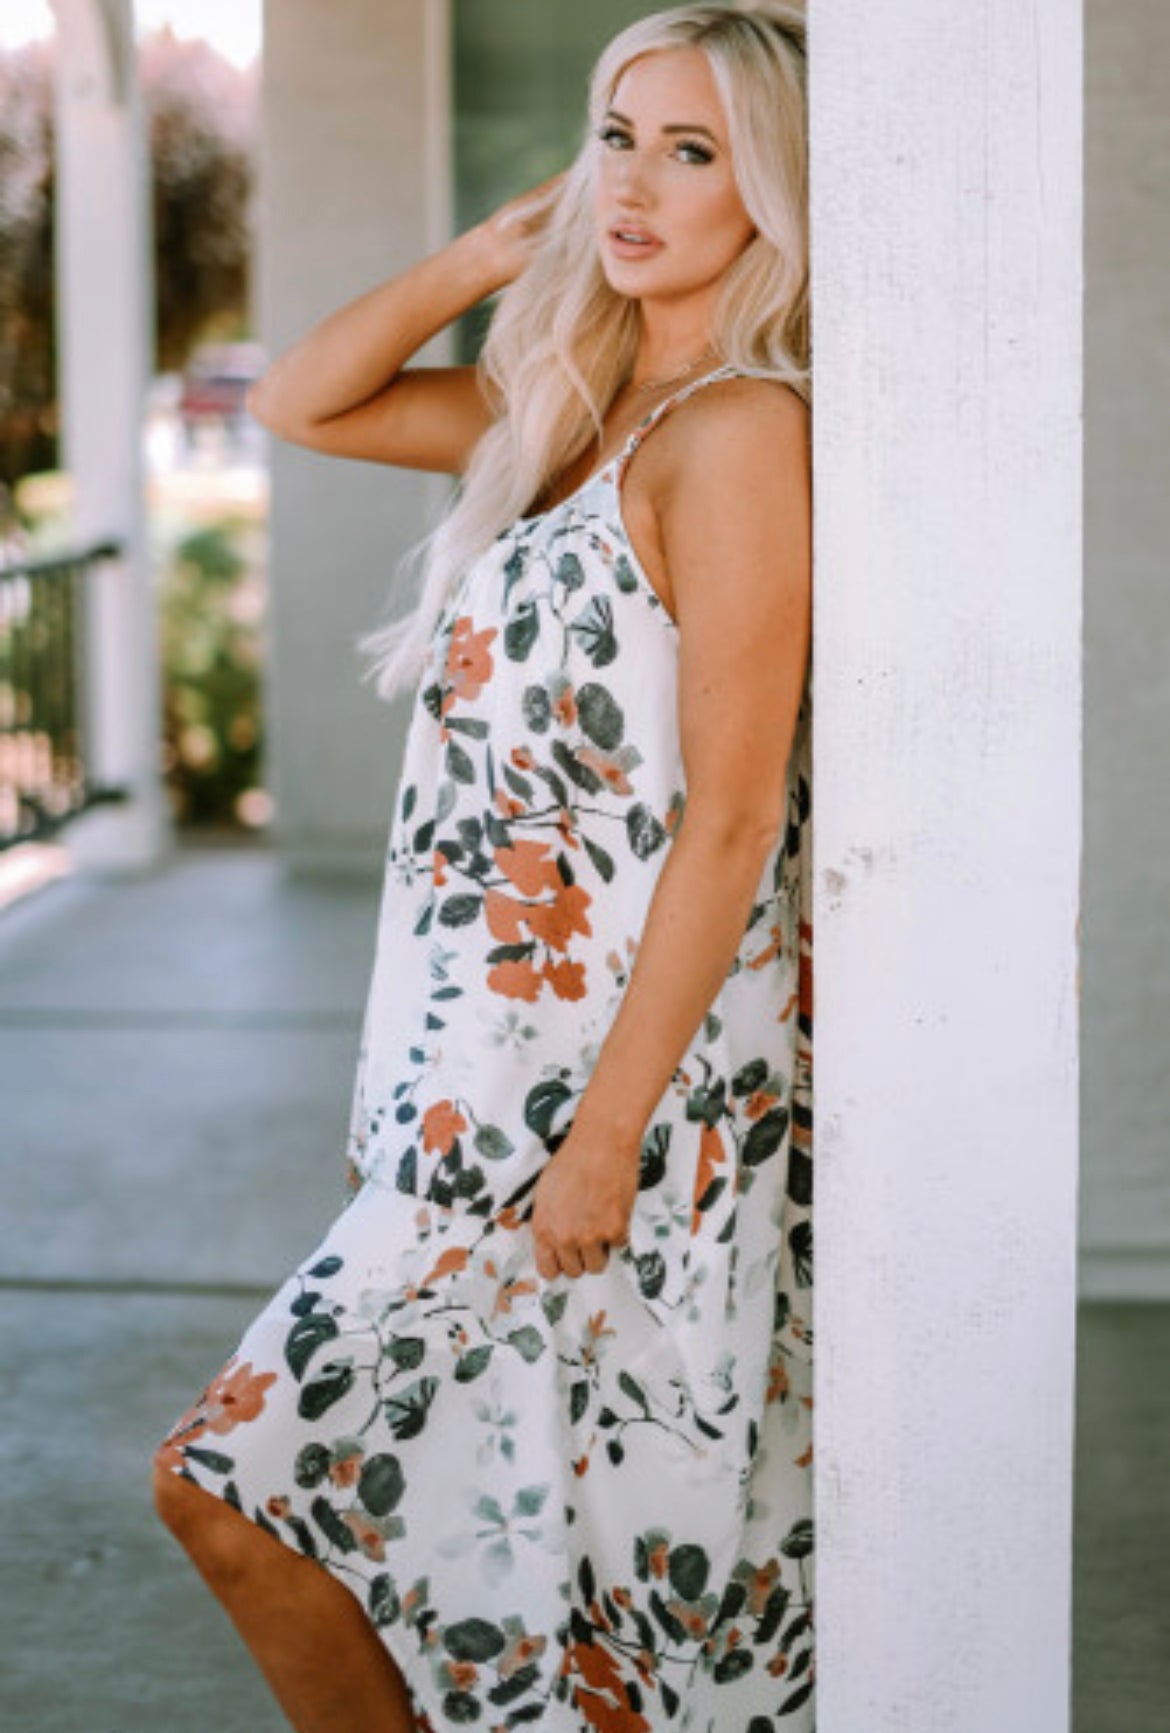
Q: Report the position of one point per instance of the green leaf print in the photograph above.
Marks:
(473, 1640)
(624, 575)
(673, 1627)
(311, 1465)
(384, 1603)
(734, 1665)
(213, 1459)
(459, 911)
(528, 1342)
(407, 1412)
(602, 861)
(553, 1305)
(775, 1608)
(600, 715)
(750, 1077)
(582, 774)
(492, 1143)
(798, 1542)
(644, 831)
(521, 632)
(471, 1364)
(633, 1390)
(542, 1104)
(652, 1161)
(461, 1707)
(381, 1484)
(333, 1382)
(800, 1177)
(331, 1525)
(688, 1568)
(460, 765)
(651, 1268)
(594, 627)
(570, 573)
(530, 1500)
(305, 1337)
(507, 1690)
(536, 708)
(765, 1137)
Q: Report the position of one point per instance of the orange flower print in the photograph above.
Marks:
(515, 980)
(777, 1381)
(469, 661)
(235, 1397)
(607, 767)
(758, 1103)
(504, 915)
(278, 1506)
(462, 1674)
(526, 863)
(368, 1535)
(711, 1152)
(775, 949)
(346, 1466)
(520, 1651)
(442, 1124)
(555, 922)
(566, 979)
(564, 707)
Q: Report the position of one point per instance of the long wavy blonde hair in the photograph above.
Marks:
(562, 342)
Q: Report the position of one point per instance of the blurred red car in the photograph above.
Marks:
(216, 381)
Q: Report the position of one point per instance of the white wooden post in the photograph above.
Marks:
(104, 325)
(946, 142)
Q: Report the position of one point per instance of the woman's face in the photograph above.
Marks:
(668, 214)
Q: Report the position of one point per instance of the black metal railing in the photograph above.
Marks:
(44, 773)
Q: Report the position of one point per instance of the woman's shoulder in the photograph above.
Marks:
(742, 424)
(745, 403)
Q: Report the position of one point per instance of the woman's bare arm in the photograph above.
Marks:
(737, 540)
(344, 388)
(735, 526)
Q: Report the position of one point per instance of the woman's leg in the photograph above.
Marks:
(307, 1633)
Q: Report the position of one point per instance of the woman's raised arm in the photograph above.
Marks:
(344, 388)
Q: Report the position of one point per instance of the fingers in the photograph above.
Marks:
(553, 1261)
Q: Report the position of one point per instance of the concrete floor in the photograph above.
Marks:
(176, 1059)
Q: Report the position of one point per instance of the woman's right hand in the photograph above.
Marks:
(510, 233)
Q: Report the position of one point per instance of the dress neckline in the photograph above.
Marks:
(631, 442)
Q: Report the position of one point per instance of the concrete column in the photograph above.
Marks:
(1125, 1175)
(355, 186)
(946, 143)
(104, 326)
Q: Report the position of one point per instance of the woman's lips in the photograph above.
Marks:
(632, 249)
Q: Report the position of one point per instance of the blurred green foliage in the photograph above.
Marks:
(211, 624)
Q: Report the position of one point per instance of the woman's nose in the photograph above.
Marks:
(631, 184)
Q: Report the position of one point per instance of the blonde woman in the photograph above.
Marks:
(540, 1400)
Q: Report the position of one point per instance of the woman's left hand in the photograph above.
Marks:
(582, 1204)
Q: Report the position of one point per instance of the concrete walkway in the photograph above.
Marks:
(176, 1060)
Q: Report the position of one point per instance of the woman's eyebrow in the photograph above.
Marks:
(612, 114)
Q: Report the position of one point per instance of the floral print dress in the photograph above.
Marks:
(585, 1503)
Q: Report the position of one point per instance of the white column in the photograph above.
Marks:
(946, 142)
(104, 326)
(354, 186)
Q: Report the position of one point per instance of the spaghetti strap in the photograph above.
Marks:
(726, 371)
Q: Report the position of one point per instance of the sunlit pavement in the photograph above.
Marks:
(176, 1058)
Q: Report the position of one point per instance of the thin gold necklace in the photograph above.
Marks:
(672, 378)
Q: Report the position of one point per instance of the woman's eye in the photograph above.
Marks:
(699, 153)
(613, 136)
